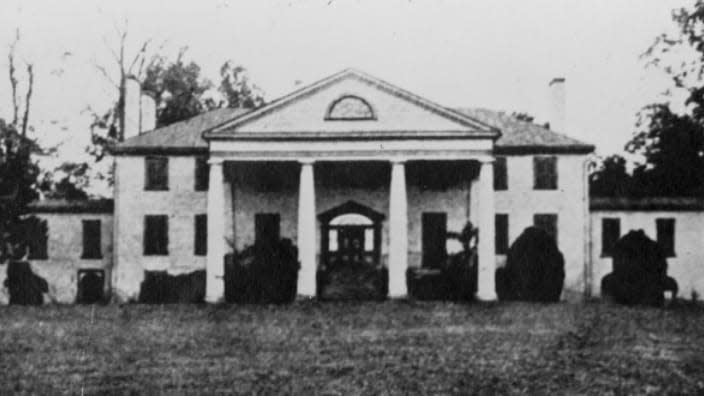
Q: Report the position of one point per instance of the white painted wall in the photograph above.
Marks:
(568, 201)
(64, 250)
(686, 267)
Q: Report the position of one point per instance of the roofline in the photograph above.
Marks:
(147, 150)
(544, 149)
(381, 84)
(647, 204)
(88, 206)
(350, 135)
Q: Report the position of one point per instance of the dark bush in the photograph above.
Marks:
(353, 283)
(453, 280)
(23, 285)
(639, 273)
(263, 273)
(535, 269)
(158, 287)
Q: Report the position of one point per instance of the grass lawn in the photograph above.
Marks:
(352, 348)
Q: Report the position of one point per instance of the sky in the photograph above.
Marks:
(494, 54)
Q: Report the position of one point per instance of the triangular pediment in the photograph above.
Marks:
(351, 104)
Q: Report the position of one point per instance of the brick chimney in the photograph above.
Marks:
(140, 109)
(557, 105)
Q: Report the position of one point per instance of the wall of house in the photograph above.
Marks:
(64, 251)
(521, 201)
(685, 267)
(180, 203)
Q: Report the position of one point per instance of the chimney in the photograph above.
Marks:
(557, 105)
(147, 115)
(140, 109)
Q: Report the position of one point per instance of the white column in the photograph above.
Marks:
(398, 231)
(214, 283)
(486, 288)
(306, 231)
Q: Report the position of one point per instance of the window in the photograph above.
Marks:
(545, 173)
(434, 229)
(500, 174)
(91, 284)
(91, 240)
(501, 233)
(202, 174)
(267, 229)
(349, 108)
(548, 222)
(156, 176)
(38, 239)
(665, 229)
(610, 233)
(201, 235)
(156, 235)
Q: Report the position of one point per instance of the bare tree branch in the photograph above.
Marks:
(105, 74)
(141, 54)
(28, 98)
(13, 78)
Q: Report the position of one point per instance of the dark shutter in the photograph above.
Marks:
(91, 240)
(501, 233)
(156, 235)
(267, 229)
(666, 235)
(548, 222)
(201, 174)
(500, 174)
(201, 235)
(610, 233)
(434, 229)
(156, 176)
(37, 239)
(545, 173)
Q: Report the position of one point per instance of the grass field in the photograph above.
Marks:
(352, 348)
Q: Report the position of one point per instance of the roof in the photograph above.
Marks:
(72, 206)
(183, 137)
(186, 137)
(227, 129)
(526, 137)
(646, 204)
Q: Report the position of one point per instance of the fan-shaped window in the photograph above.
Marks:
(351, 219)
(348, 108)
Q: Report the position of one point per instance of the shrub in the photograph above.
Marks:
(353, 283)
(535, 269)
(158, 287)
(639, 273)
(263, 273)
(23, 285)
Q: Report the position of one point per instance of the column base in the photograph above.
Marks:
(486, 296)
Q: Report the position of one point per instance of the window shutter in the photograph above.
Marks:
(91, 240)
(500, 174)
(548, 222)
(501, 233)
(610, 233)
(156, 176)
(267, 228)
(202, 175)
(38, 238)
(665, 229)
(434, 229)
(201, 235)
(545, 173)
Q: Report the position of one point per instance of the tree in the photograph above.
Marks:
(237, 87)
(670, 144)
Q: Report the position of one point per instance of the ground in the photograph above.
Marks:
(352, 348)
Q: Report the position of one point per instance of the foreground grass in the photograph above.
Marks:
(352, 348)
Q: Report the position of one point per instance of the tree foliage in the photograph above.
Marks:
(670, 144)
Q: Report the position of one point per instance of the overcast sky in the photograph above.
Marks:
(494, 54)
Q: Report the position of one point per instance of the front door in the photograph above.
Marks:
(350, 242)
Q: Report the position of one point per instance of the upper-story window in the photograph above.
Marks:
(500, 174)
(201, 174)
(545, 173)
(156, 177)
(350, 108)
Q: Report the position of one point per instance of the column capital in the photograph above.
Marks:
(398, 160)
(486, 160)
(215, 161)
(306, 161)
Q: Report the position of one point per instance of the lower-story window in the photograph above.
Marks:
(434, 229)
(201, 235)
(501, 240)
(548, 222)
(156, 235)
